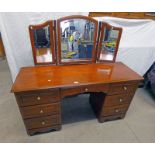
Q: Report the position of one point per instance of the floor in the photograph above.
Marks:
(79, 122)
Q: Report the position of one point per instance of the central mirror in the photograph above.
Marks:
(76, 37)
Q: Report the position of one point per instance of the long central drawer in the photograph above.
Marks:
(84, 89)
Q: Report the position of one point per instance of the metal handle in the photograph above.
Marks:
(86, 89)
(125, 88)
(120, 100)
(38, 98)
(116, 110)
(43, 123)
(41, 111)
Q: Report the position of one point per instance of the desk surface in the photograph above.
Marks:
(44, 77)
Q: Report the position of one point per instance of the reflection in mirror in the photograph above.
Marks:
(109, 43)
(77, 39)
(42, 44)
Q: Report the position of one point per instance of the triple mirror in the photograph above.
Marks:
(76, 42)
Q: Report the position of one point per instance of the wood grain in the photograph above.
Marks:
(46, 77)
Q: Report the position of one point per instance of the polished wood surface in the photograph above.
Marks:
(39, 91)
(129, 15)
(44, 77)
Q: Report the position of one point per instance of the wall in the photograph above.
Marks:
(15, 35)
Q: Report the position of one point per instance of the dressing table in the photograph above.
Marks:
(73, 55)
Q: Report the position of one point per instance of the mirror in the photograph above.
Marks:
(76, 39)
(109, 42)
(42, 43)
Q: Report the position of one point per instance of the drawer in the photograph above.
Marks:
(107, 111)
(115, 100)
(84, 89)
(34, 98)
(40, 110)
(42, 122)
(122, 88)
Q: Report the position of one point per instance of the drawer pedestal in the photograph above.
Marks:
(40, 110)
(115, 103)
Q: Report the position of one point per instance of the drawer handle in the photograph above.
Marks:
(41, 111)
(116, 110)
(120, 100)
(38, 98)
(86, 89)
(43, 123)
(125, 88)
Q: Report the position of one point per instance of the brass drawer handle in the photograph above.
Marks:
(86, 89)
(116, 110)
(125, 88)
(41, 111)
(38, 98)
(43, 123)
(120, 100)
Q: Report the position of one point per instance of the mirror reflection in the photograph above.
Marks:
(109, 43)
(42, 44)
(77, 38)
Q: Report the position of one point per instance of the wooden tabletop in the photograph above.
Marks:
(44, 77)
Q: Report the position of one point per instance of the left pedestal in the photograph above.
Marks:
(40, 110)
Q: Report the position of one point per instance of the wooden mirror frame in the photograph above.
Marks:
(92, 60)
(52, 41)
(100, 39)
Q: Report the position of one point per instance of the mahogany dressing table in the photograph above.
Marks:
(40, 89)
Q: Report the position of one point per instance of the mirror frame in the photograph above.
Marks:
(92, 60)
(52, 41)
(100, 39)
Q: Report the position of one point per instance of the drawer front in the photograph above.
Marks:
(40, 110)
(122, 88)
(42, 122)
(115, 100)
(39, 98)
(84, 89)
(107, 111)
